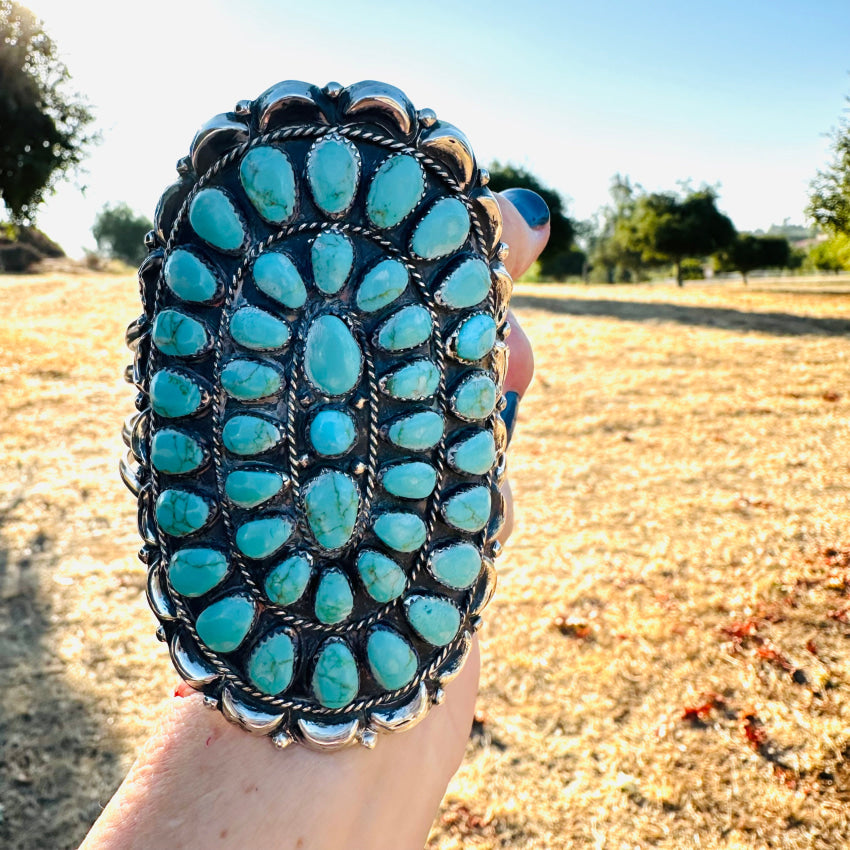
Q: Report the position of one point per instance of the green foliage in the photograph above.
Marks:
(831, 255)
(610, 234)
(120, 233)
(44, 127)
(692, 270)
(829, 204)
(749, 252)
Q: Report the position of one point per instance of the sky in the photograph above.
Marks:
(739, 94)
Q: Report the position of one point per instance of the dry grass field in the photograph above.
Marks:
(666, 659)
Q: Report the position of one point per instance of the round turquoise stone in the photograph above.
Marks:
(175, 453)
(437, 620)
(333, 360)
(224, 624)
(260, 538)
(244, 434)
(332, 256)
(443, 229)
(194, 572)
(179, 512)
(417, 380)
(331, 502)
(409, 327)
(269, 182)
(332, 432)
(179, 335)
(248, 488)
(475, 337)
(469, 509)
(474, 455)
(466, 286)
(287, 582)
(391, 659)
(174, 394)
(333, 170)
(276, 276)
(249, 380)
(476, 397)
(382, 577)
(396, 189)
(254, 328)
(188, 277)
(382, 285)
(417, 432)
(413, 480)
(456, 566)
(334, 599)
(400, 531)
(214, 218)
(335, 678)
(271, 664)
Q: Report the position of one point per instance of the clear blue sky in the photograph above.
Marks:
(738, 94)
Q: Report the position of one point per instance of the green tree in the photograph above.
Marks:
(611, 238)
(44, 133)
(120, 233)
(831, 255)
(749, 252)
(829, 203)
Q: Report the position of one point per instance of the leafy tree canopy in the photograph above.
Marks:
(749, 252)
(120, 233)
(829, 204)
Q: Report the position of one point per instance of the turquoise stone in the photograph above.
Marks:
(468, 510)
(335, 678)
(175, 453)
(456, 566)
(194, 572)
(334, 599)
(381, 285)
(332, 256)
(395, 191)
(476, 397)
(174, 394)
(333, 169)
(249, 380)
(413, 480)
(254, 328)
(474, 455)
(214, 218)
(400, 531)
(417, 432)
(382, 577)
(436, 620)
(287, 582)
(188, 277)
(269, 182)
(407, 328)
(179, 335)
(475, 337)
(332, 432)
(249, 435)
(417, 380)
(260, 538)
(248, 488)
(275, 275)
(443, 229)
(331, 502)
(271, 664)
(391, 659)
(466, 286)
(332, 358)
(179, 512)
(225, 624)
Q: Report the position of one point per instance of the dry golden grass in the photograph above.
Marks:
(665, 661)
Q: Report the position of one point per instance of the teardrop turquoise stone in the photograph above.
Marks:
(260, 538)
(466, 286)
(333, 170)
(249, 435)
(476, 397)
(332, 358)
(334, 599)
(271, 664)
(332, 432)
(419, 379)
(400, 531)
(254, 328)
(174, 394)
(287, 582)
(179, 512)
(417, 432)
(179, 335)
(249, 380)
(275, 275)
(391, 659)
(436, 619)
(476, 337)
(214, 218)
(332, 256)
(382, 285)
(443, 229)
(248, 488)
(474, 455)
(407, 328)
(335, 679)
(267, 177)
(395, 191)
(456, 566)
(175, 453)
(194, 572)
(188, 277)
(224, 624)
(382, 577)
(468, 510)
(414, 480)
(331, 502)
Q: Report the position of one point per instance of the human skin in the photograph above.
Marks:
(201, 782)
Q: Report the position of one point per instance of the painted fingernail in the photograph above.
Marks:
(529, 205)
(509, 413)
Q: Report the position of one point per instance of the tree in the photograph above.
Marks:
(831, 255)
(44, 127)
(749, 252)
(611, 238)
(120, 233)
(829, 204)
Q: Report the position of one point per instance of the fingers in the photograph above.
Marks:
(525, 228)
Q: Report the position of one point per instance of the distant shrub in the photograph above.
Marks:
(692, 270)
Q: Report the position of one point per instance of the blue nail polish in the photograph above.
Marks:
(529, 205)
(509, 413)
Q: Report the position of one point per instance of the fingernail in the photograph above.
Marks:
(509, 413)
(529, 205)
